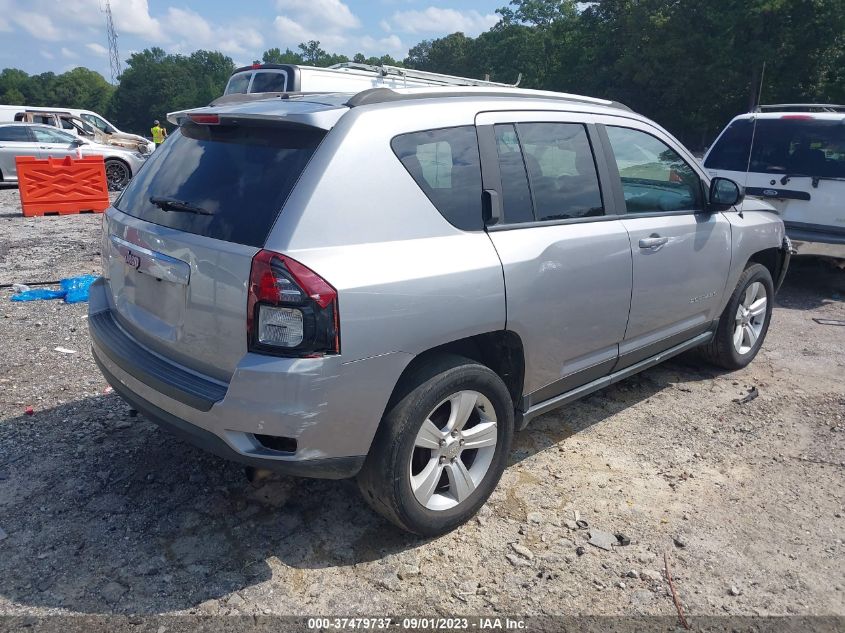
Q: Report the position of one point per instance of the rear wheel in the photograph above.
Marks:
(745, 321)
(441, 449)
(117, 174)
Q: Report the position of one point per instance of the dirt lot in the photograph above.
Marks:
(101, 512)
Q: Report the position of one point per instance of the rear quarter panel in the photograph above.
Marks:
(407, 279)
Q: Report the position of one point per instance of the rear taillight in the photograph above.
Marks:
(205, 119)
(291, 310)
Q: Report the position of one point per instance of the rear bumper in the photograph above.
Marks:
(329, 408)
(813, 239)
(328, 468)
(786, 251)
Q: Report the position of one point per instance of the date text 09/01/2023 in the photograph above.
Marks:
(416, 623)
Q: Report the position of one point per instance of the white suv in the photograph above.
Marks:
(797, 164)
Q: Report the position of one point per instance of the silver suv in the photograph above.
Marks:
(389, 284)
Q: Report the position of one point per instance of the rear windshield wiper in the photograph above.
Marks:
(169, 204)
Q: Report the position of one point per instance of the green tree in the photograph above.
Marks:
(81, 88)
(12, 96)
(312, 53)
(155, 83)
(276, 56)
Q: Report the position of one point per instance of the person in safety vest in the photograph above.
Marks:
(159, 133)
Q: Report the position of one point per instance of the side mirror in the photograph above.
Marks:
(724, 193)
(78, 142)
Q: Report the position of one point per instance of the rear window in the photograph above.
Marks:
(809, 147)
(269, 81)
(226, 182)
(445, 165)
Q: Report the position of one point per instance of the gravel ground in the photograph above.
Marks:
(101, 512)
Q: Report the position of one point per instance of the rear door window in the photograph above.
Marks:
(222, 181)
(516, 196)
(445, 165)
(14, 133)
(561, 170)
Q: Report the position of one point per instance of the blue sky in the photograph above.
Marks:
(56, 35)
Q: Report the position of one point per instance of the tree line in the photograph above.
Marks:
(688, 64)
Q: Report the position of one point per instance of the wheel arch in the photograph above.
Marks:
(771, 258)
(501, 351)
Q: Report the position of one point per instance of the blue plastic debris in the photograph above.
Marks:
(73, 290)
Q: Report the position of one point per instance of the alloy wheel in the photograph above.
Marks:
(117, 175)
(750, 317)
(453, 450)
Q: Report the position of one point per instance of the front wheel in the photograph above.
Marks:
(745, 321)
(441, 449)
(117, 174)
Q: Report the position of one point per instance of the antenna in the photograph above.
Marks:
(114, 56)
(760, 90)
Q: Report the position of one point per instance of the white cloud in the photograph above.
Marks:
(133, 16)
(442, 21)
(97, 49)
(329, 15)
(190, 31)
(66, 52)
(38, 25)
(238, 40)
(188, 24)
(52, 21)
(330, 22)
(47, 55)
(391, 45)
(293, 33)
(384, 25)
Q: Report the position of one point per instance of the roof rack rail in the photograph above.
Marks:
(243, 97)
(424, 75)
(385, 95)
(800, 107)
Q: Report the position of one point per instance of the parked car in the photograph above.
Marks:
(797, 165)
(42, 141)
(389, 284)
(85, 123)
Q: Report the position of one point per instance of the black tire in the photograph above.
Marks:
(113, 167)
(721, 350)
(385, 479)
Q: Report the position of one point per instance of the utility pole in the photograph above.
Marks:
(114, 56)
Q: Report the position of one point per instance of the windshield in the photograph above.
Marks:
(100, 123)
(238, 83)
(221, 181)
(801, 146)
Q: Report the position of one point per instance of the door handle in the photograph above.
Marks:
(654, 242)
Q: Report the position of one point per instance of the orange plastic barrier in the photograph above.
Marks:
(62, 185)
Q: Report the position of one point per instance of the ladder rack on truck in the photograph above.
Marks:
(277, 79)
